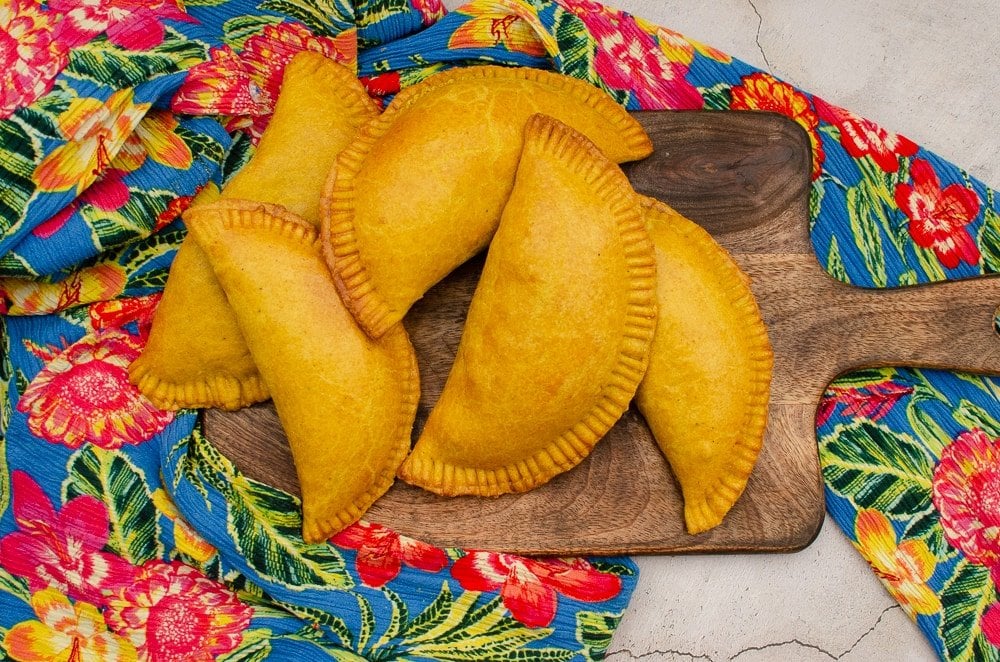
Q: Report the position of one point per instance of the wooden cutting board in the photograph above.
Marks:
(744, 177)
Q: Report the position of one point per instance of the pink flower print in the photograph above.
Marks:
(991, 624)
(939, 216)
(30, 58)
(245, 86)
(430, 10)
(628, 58)
(62, 549)
(132, 24)
(382, 552)
(529, 587)
(84, 394)
(174, 612)
(966, 492)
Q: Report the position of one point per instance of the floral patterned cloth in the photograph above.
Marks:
(125, 535)
(911, 460)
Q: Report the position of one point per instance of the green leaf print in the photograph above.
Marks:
(835, 263)
(133, 220)
(452, 629)
(717, 97)
(266, 526)
(989, 241)
(577, 48)
(972, 416)
(926, 427)
(238, 29)
(324, 17)
(16, 586)
(372, 12)
(964, 599)
(202, 145)
(594, 632)
(817, 191)
(110, 477)
(864, 377)
(255, 646)
(264, 523)
(876, 467)
(20, 150)
(926, 526)
(6, 408)
(867, 237)
(103, 62)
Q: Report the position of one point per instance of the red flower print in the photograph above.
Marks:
(382, 551)
(529, 587)
(938, 216)
(966, 492)
(174, 612)
(173, 211)
(761, 91)
(84, 394)
(862, 137)
(62, 549)
(132, 24)
(30, 58)
(116, 313)
(873, 401)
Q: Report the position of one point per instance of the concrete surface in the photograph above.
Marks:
(926, 69)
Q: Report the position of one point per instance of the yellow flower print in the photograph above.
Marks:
(187, 541)
(156, 133)
(903, 567)
(94, 133)
(509, 23)
(65, 631)
(28, 297)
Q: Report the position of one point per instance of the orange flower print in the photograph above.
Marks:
(156, 137)
(29, 297)
(761, 91)
(904, 567)
(94, 132)
(84, 394)
(506, 23)
(65, 631)
(30, 56)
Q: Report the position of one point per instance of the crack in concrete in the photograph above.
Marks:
(760, 23)
(751, 649)
(668, 651)
(820, 649)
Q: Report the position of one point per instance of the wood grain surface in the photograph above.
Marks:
(744, 177)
